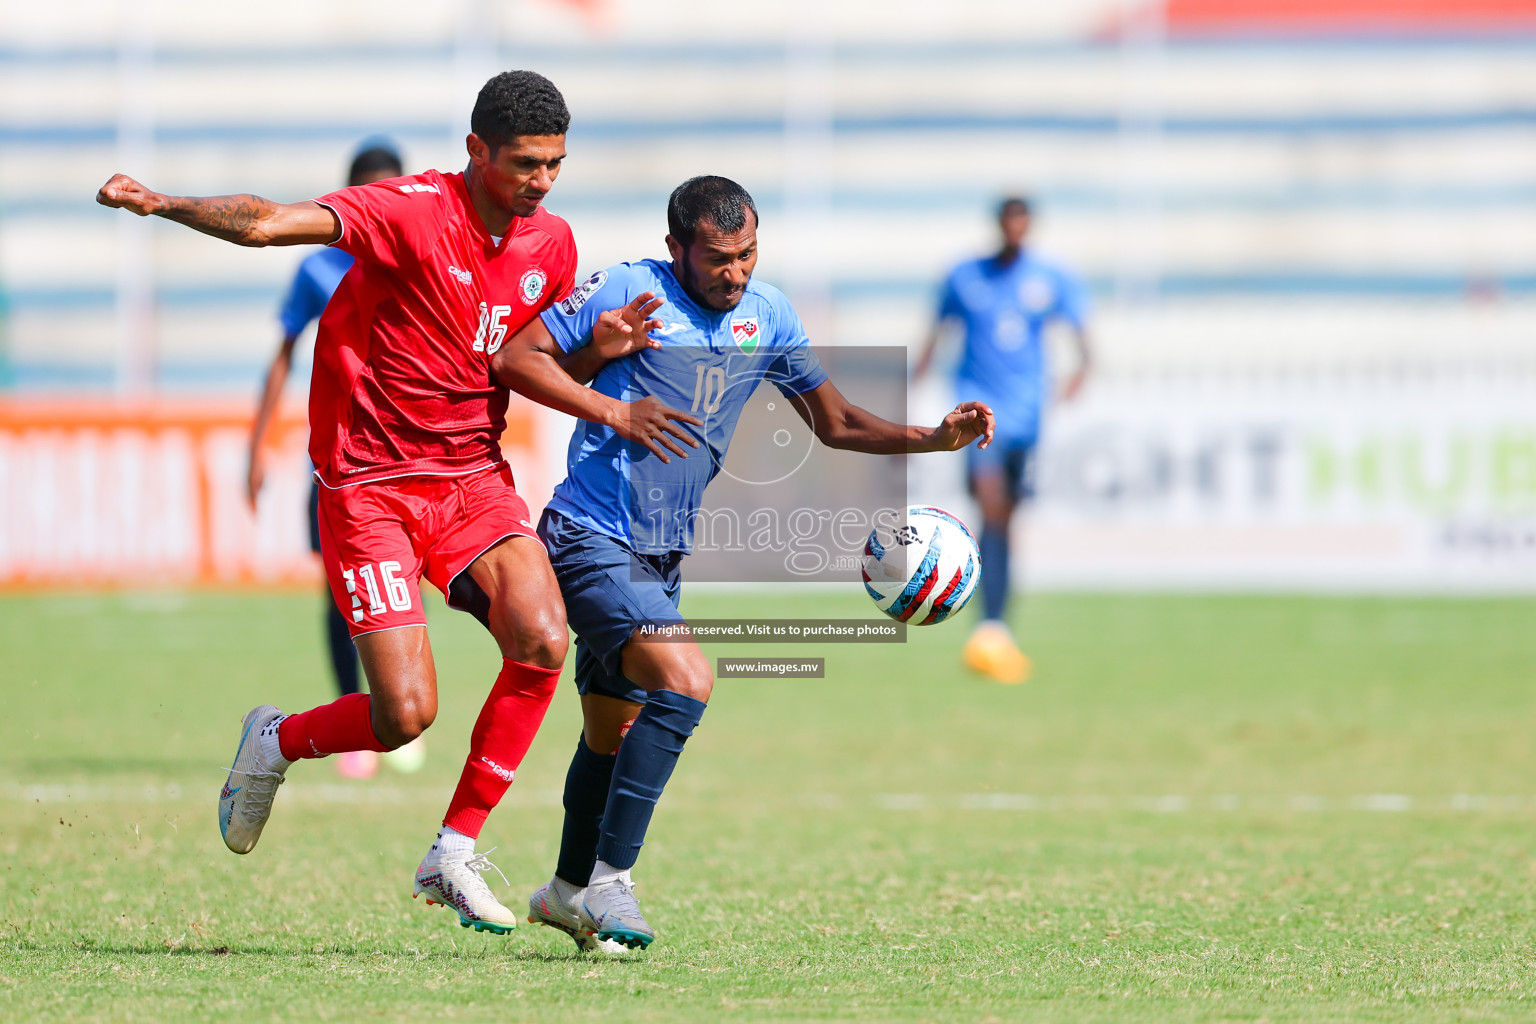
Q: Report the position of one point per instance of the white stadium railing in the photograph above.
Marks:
(1257, 219)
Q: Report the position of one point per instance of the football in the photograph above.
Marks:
(922, 568)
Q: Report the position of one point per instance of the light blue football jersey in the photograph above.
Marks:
(709, 364)
(317, 279)
(1005, 310)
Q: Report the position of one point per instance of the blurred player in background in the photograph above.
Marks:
(620, 524)
(405, 428)
(1003, 303)
(318, 275)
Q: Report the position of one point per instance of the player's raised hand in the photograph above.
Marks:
(656, 426)
(618, 332)
(967, 422)
(123, 193)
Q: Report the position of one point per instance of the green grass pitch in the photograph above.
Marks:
(1200, 809)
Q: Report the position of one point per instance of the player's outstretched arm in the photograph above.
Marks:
(617, 333)
(529, 364)
(1074, 385)
(244, 220)
(271, 395)
(838, 423)
(926, 350)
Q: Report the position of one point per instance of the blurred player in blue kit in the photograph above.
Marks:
(1004, 303)
(317, 279)
(704, 335)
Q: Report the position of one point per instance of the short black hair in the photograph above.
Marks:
(1014, 205)
(709, 197)
(371, 161)
(518, 103)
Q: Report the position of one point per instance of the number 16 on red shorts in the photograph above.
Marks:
(378, 539)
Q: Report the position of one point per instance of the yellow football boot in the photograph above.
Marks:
(992, 652)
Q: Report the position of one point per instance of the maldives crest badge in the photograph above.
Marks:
(745, 333)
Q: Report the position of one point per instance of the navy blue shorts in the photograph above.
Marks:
(314, 515)
(1014, 460)
(609, 591)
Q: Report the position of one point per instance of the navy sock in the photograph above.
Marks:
(343, 651)
(586, 794)
(994, 576)
(645, 762)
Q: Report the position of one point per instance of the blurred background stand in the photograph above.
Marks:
(1309, 222)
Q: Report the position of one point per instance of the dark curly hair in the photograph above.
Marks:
(375, 158)
(518, 103)
(709, 197)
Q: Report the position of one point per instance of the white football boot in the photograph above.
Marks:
(246, 800)
(557, 904)
(611, 912)
(453, 880)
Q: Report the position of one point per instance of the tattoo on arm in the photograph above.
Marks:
(232, 218)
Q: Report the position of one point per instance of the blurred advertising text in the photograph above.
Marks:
(97, 493)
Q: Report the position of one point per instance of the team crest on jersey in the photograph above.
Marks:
(584, 291)
(745, 333)
(532, 286)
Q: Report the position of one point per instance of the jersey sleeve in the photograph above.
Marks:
(302, 304)
(389, 222)
(1073, 301)
(796, 368)
(949, 300)
(571, 319)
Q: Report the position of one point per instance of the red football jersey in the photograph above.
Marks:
(402, 381)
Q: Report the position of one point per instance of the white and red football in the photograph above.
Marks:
(923, 568)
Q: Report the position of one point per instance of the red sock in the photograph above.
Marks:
(502, 735)
(343, 725)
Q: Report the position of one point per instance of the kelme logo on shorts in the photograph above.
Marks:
(584, 291)
(532, 286)
(744, 333)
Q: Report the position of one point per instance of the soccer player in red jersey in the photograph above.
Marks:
(405, 425)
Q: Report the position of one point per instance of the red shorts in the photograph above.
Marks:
(377, 540)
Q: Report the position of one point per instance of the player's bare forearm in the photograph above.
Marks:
(1074, 384)
(866, 432)
(243, 219)
(925, 352)
(838, 423)
(272, 391)
(531, 364)
(252, 220)
(537, 375)
(860, 430)
(582, 365)
(238, 219)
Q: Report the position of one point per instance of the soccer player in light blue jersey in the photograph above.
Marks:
(1004, 303)
(316, 280)
(620, 524)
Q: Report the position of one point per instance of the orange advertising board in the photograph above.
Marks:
(101, 493)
